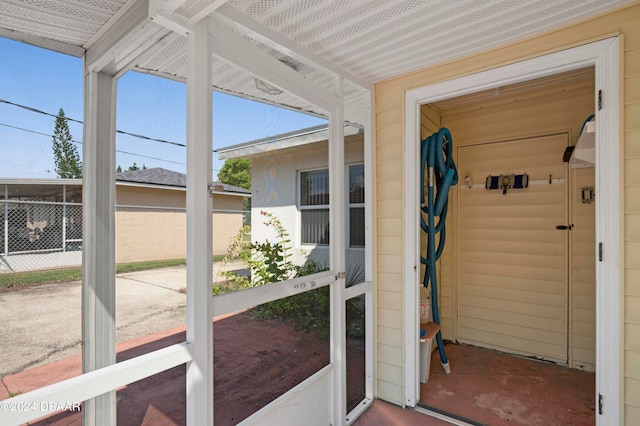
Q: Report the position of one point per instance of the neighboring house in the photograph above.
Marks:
(150, 205)
(290, 178)
(44, 216)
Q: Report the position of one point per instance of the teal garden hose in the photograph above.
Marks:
(437, 161)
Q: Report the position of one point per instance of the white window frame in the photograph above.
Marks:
(348, 205)
(310, 207)
(604, 56)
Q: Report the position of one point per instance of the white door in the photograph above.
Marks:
(513, 280)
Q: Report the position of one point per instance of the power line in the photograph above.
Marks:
(117, 150)
(135, 135)
(80, 143)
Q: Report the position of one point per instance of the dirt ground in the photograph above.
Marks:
(255, 361)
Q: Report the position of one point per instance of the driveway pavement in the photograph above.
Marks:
(42, 324)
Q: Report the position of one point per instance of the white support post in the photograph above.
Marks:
(337, 230)
(199, 227)
(98, 254)
(369, 245)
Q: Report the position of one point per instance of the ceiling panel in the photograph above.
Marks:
(371, 39)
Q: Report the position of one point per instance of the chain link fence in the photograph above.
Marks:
(40, 231)
(40, 234)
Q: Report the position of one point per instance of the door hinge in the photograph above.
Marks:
(600, 403)
(599, 100)
(341, 275)
(600, 252)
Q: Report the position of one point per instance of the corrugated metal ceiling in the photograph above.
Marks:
(372, 39)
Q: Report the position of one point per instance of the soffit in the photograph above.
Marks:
(373, 40)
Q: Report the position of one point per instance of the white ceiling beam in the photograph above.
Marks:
(124, 38)
(278, 41)
(240, 52)
(171, 6)
(172, 22)
(201, 8)
(182, 9)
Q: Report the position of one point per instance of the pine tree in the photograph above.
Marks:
(65, 154)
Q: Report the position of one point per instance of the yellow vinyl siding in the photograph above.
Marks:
(388, 256)
(631, 151)
(583, 298)
(533, 276)
(558, 107)
(625, 22)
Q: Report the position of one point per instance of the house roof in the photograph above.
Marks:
(158, 176)
(282, 141)
(363, 41)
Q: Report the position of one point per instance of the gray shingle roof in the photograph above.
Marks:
(164, 177)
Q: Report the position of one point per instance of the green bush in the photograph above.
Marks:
(270, 262)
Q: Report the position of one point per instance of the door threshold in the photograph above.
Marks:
(445, 416)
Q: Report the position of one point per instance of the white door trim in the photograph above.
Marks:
(604, 55)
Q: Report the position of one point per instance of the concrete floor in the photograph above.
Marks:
(493, 388)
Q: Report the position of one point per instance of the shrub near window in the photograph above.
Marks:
(270, 262)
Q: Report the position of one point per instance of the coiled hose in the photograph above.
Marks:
(437, 161)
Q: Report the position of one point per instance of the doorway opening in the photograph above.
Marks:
(505, 284)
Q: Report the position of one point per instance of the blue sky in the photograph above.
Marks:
(146, 105)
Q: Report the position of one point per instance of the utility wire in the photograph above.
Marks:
(32, 109)
(117, 150)
(80, 143)
(135, 135)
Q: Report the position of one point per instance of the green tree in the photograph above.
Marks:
(237, 172)
(65, 154)
(131, 168)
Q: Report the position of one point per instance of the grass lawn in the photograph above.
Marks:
(24, 279)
